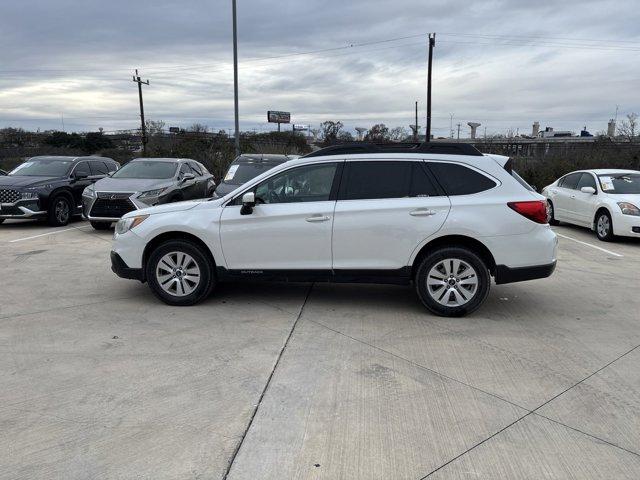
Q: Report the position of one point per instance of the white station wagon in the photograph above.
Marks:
(443, 217)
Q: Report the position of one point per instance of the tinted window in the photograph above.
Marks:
(82, 169)
(421, 184)
(367, 180)
(98, 168)
(111, 167)
(460, 180)
(571, 181)
(302, 184)
(587, 180)
(184, 168)
(146, 169)
(240, 173)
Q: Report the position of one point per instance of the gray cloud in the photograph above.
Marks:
(504, 63)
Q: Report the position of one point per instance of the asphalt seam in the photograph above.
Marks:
(529, 412)
(266, 386)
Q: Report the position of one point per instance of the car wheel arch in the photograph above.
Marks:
(599, 209)
(455, 241)
(176, 235)
(61, 191)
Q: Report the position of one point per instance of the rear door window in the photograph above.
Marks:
(460, 180)
(98, 168)
(374, 180)
(571, 181)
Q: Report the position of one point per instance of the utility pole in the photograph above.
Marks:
(136, 79)
(451, 115)
(459, 131)
(432, 43)
(235, 77)
(415, 130)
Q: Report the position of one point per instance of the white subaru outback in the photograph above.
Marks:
(441, 216)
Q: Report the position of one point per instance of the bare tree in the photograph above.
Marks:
(629, 127)
(377, 133)
(398, 134)
(330, 131)
(154, 127)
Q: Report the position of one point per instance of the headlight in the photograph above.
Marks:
(629, 209)
(29, 195)
(152, 193)
(125, 224)
(90, 191)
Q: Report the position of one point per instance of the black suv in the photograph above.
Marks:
(50, 187)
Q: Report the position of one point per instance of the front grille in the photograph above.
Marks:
(9, 196)
(111, 205)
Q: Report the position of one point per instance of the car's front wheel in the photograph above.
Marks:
(604, 226)
(452, 281)
(180, 273)
(59, 212)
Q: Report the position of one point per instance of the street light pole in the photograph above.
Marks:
(235, 77)
(432, 43)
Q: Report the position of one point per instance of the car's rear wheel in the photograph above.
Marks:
(452, 281)
(101, 225)
(604, 226)
(180, 273)
(59, 212)
(551, 214)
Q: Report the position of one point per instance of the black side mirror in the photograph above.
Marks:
(248, 202)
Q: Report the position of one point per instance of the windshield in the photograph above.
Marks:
(146, 170)
(620, 183)
(240, 173)
(43, 168)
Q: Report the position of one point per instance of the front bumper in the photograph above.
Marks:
(121, 269)
(626, 225)
(21, 209)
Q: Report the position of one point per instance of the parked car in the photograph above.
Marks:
(144, 182)
(442, 216)
(248, 166)
(605, 200)
(50, 187)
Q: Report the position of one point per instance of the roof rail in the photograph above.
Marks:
(443, 148)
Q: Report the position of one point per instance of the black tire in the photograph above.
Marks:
(206, 281)
(60, 211)
(473, 298)
(101, 225)
(551, 214)
(604, 226)
(2, 220)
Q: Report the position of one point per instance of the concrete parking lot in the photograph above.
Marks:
(297, 381)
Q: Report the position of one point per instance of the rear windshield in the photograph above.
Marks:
(147, 170)
(620, 183)
(240, 173)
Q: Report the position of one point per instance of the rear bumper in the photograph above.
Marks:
(506, 274)
(121, 269)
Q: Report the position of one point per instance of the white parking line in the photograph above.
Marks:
(44, 234)
(590, 245)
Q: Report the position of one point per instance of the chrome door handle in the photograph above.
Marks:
(317, 218)
(422, 213)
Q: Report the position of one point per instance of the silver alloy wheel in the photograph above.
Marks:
(178, 274)
(452, 282)
(604, 225)
(62, 211)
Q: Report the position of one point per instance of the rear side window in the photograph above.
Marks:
(369, 180)
(98, 168)
(460, 180)
(196, 168)
(570, 181)
(374, 180)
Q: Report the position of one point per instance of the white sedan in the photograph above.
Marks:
(605, 200)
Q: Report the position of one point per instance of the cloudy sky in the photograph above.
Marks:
(503, 63)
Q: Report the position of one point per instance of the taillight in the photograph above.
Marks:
(535, 210)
